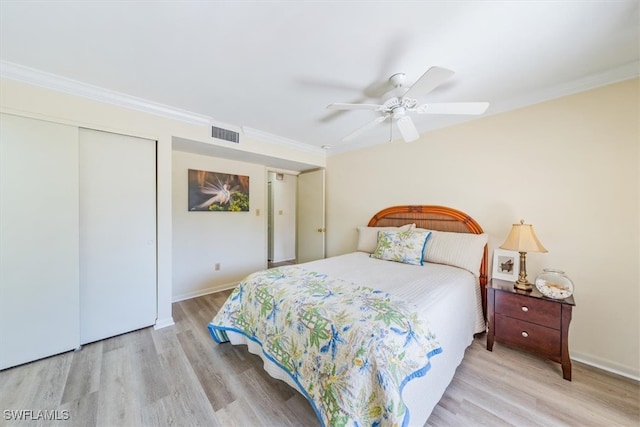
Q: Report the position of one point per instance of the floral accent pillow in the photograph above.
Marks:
(368, 236)
(401, 246)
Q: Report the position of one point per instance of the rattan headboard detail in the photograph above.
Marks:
(439, 218)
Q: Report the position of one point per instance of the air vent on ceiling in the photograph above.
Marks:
(226, 134)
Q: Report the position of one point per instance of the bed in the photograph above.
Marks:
(371, 337)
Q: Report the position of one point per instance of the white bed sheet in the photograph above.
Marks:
(448, 296)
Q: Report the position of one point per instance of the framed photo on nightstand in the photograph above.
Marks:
(506, 265)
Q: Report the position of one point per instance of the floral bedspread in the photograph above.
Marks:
(351, 349)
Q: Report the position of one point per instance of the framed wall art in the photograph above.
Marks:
(215, 191)
(506, 265)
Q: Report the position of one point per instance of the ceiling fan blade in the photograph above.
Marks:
(453, 108)
(431, 79)
(364, 128)
(407, 129)
(342, 106)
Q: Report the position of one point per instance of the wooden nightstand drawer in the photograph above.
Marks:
(530, 321)
(528, 335)
(545, 313)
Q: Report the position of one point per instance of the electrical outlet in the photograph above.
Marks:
(216, 267)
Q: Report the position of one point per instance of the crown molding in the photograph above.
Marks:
(58, 83)
(51, 81)
(611, 76)
(281, 141)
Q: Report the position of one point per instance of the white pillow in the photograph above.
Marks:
(463, 250)
(401, 246)
(368, 236)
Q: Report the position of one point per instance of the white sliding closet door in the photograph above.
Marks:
(39, 307)
(117, 234)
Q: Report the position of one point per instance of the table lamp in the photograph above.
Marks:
(522, 239)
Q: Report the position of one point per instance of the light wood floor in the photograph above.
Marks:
(177, 376)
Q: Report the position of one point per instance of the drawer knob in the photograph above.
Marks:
(525, 334)
(525, 308)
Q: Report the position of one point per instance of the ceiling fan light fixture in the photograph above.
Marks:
(398, 112)
(409, 103)
(403, 102)
(397, 80)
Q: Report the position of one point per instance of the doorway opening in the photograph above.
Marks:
(282, 217)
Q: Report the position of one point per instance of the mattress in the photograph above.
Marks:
(448, 296)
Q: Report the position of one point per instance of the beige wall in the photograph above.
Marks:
(567, 166)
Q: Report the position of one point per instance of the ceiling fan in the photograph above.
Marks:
(402, 103)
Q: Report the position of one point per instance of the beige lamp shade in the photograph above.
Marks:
(522, 239)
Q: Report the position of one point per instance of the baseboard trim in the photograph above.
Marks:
(163, 323)
(201, 292)
(606, 365)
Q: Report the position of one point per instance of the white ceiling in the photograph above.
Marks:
(274, 66)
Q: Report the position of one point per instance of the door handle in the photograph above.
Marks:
(320, 230)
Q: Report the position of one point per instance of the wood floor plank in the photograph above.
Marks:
(299, 409)
(148, 385)
(240, 413)
(215, 380)
(266, 397)
(497, 402)
(118, 404)
(114, 343)
(186, 404)
(84, 373)
(41, 381)
(447, 408)
(82, 411)
(508, 400)
(21, 379)
(165, 339)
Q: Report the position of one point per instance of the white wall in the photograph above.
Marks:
(235, 240)
(284, 217)
(568, 166)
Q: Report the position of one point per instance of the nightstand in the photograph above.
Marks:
(530, 321)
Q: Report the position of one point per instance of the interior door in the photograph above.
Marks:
(282, 215)
(39, 294)
(311, 216)
(117, 234)
(270, 219)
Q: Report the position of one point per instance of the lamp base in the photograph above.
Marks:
(523, 286)
(522, 283)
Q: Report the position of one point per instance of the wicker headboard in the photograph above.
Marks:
(439, 218)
